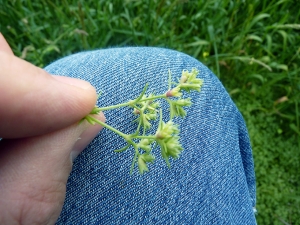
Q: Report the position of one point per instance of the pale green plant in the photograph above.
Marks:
(146, 108)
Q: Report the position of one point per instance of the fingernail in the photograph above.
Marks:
(73, 81)
(86, 137)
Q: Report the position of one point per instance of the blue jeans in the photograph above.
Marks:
(212, 182)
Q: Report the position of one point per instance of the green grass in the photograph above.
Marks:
(252, 47)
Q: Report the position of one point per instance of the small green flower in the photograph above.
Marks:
(146, 118)
(146, 111)
(172, 147)
(189, 80)
(151, 116)
(176, 107)
(183, 102)
(145, 144)
(175, 92)
(168, 139)
(142, 166)
(145, 121)
(189, 87)
(142, 162)
(184, 76)
(166, 130)
(153, 106)
(136, 111)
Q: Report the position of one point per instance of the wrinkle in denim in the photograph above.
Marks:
(212, 182)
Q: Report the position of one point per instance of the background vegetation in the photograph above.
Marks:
(252, 46)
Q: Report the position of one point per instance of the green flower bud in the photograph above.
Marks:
(184, 76)
(192, 86)
(175, 92)
(189, 80)
(145, 144)
(173, 147)
(183, 102)
(142, 159)
(136, 111)
(170, 147)
(153, 106)
(167, 130)
(177, 110)
(145, 121)
(176, 107)
(145, 141)
(152, 116)
(142, 166)
(147, 157)
(168, 140)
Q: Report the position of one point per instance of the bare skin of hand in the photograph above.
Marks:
(39, 116)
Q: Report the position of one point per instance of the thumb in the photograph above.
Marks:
(32, 102)
(34, 172)
(4, 47)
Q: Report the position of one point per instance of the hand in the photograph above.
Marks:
(39, 116)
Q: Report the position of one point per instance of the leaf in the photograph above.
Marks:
(295, 128)
(254, 37)
(197, 43)
(279, 66)
(258, 18)
(250, 60)
(288, 26)
(258, 77)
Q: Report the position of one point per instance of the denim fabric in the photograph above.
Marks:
(211, 183)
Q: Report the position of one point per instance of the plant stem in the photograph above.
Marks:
(145, 137)
(125, 136)
(138, 128)
(131, 102)
(154, 97)
(116, 106)
(134, 159)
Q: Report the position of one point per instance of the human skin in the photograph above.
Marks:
(39, 116)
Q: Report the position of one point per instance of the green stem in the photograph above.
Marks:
(123, 149)
(171, 109)
(134, 159)
(138, 128)
(115, 106)
(136, 107)
(142, 94)
(145, 137)
(131, 102)
(154, 97)
(125, 136)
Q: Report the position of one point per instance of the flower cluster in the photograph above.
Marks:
(142, 162)
(145, 107)
(168, 139)
(176, 107)
(189, 80)
(147, 110)
(145, 144)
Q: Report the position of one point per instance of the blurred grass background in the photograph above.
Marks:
(252, 46)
